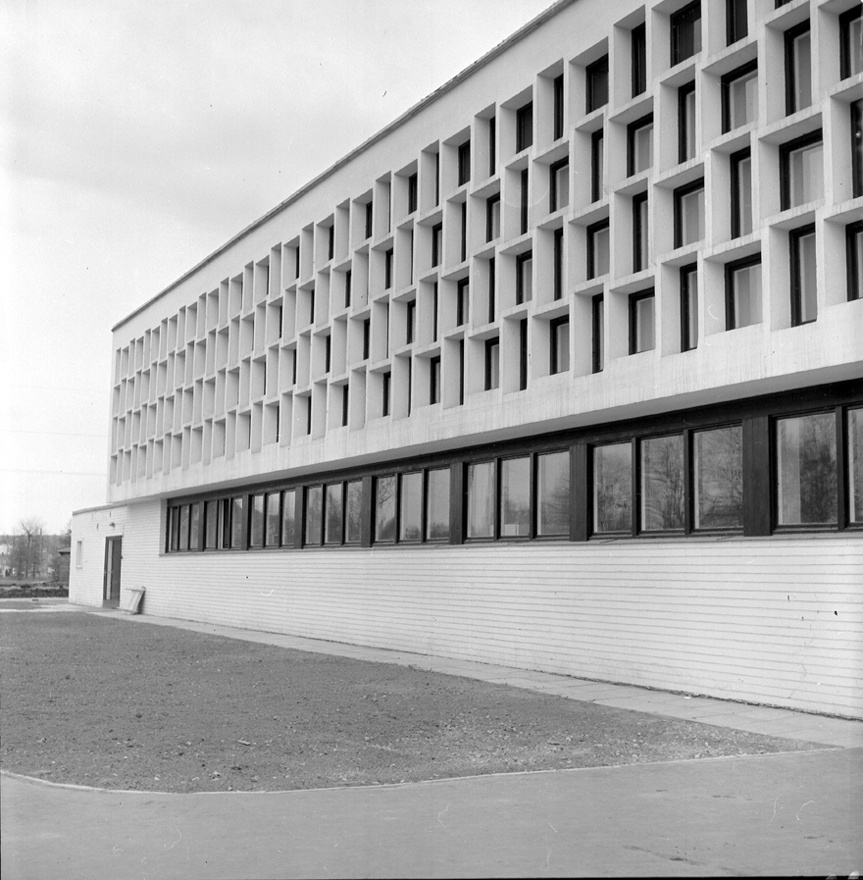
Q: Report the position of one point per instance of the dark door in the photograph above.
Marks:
(113, 557)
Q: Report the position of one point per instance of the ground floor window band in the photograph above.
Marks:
(787, 469)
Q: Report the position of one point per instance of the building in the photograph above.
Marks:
(561, 370)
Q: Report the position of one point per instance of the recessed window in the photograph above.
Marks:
(689, 213)
(798, 68)
(492, 290)
(552, 494)
(480, 500)
(558, 107)
(598, 333)
(410, 320)
(368, 226)
(313, 520)
(685, 32)
(385, 509)
(410, 507)
(492, 217)
(557, 268)
(522, 354)
(348, 280)
(597, 165)
(492, 145)
(434, 379)
(736, 20)
(597, 84)
(331, 236)
(851, 45)
(386, 392)
(741, 193)
(638, 47)
(464, 163)
(524, 277)
(523, 127)
(413, 190)
(688, 308)
(804, 275)
(743, 293)
(558, 345)
(367, 338)
(492, 364)
(345, 404)
(856, 111)
(662, 483)
(388, 269)
(462, 301)
(686, 122)
(718, 478)
(437, 505)
(642, 321)
(598, 237)
(333, 513)
(801, 164)
(436, 244)
(806, 470)
(639, 138)
(559, 185)
(612, 488)
(854, 259)
(525, 202)
(463, 231)
(639, 232)
(740, 96)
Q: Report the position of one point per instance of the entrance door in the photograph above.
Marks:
(113, 556)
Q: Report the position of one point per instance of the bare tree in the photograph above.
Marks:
(30, 541)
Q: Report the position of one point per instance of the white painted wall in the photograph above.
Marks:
(92, 527)
(775, 620)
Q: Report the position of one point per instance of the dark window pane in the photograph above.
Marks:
(256, 533)
(385, 509)
(612, 488)
(552, 493)
(437, 505)
(855, 465)
(333, 514)
(353, 512)
(410, 507)
(238, 515)
(515, 497)
(184, 527)
(480, 500)
(803, 277)
(597, 84)
(271, 538)
(662, 483)
(195, 527)
(719, 479)
(806, 456)
(289, 533)
(314, 514)
(211, 540)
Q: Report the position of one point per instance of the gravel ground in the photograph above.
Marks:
(104, 702)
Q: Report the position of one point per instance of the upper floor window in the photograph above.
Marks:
(434, 379)
(642, 321)
(740, 96)
(388, 269)
(368, 227)
(492, 363)
(804, 279)
(492, 145)
(413, 190)
(851, 45)
(462, 301)
(686, 122)
(688, 307)
(743, 293)
(798, 68)
(524, 277)
(463, 163)
(559, 185)
(597, 310)
(492, 217)
(689, 213)
(801, 171)
(854, 258)
(523, 127)
(557, 274)
(559, 107)
(639, 136)
(597, 84)
(597, 165)
(639, 232)
(524, 208)
(597, 249)
(856, 111)
(437, 244)
(685, 32)
(736, 20)
(639, 59)
(741, 193)
(558, 345)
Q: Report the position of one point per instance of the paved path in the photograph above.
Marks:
(795, 813)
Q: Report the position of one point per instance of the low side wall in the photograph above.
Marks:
(90, 529)
(776, 620)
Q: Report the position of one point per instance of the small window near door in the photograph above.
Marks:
(79, 554)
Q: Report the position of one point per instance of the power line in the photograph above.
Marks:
(49, 433)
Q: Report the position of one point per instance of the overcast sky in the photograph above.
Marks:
(136, 136)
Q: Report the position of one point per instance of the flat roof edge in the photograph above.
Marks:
(489, 56)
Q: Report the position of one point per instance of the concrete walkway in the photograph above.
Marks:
(795, 813)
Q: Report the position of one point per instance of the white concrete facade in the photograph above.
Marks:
(233, 380)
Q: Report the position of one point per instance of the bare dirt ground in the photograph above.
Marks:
(105, 702)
